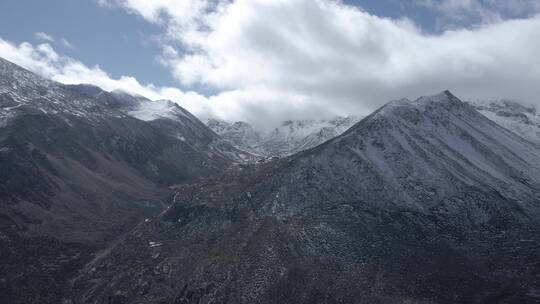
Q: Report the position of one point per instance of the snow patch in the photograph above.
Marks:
(152, 110)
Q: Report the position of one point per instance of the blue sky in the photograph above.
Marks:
(281, 59)
(119, 42)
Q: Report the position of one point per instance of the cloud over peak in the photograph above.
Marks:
(286, 59)
(327, 52)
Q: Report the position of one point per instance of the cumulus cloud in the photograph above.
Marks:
(296, 58)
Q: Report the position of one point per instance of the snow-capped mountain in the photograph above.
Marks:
(22, 92)
(290, 137)
(523, 120)
(240, 134)
(423, 201)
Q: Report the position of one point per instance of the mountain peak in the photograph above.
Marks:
(418, 185)
(445, 98)
(447, 93)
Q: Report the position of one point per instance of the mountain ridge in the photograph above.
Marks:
(423, 201)
(290, 137)
(426, 202)
(78, 171)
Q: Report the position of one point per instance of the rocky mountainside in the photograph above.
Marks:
(169, 118)
(290, 137)
(523, 120)
(423, 201)
(80, 166)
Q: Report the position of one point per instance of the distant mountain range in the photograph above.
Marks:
(293, 136)
(290, 137)
(523, 120)
(109, 197)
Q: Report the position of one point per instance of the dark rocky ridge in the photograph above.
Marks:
(78, 170)
(421, 202)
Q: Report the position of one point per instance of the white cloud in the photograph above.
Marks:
(184, 12)
(66, 43)
(270, 60)
(44, 36)
(33, 58)
(294, 58)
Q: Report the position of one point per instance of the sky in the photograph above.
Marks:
(265, 61)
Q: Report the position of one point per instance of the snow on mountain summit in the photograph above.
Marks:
(445, 99)
(522, 120)
(153, 110)
(288, 138)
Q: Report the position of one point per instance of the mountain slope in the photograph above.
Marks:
(171, 119)
(240, 134)
(77, 171)
(421, 202)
